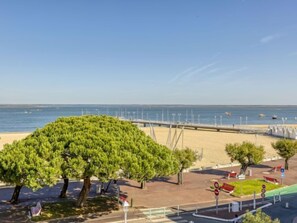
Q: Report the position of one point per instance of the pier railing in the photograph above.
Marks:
(197, 126)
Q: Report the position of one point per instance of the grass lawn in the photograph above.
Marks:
(247, 187)
(100, 205)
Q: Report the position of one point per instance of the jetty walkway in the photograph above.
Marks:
(225, 128)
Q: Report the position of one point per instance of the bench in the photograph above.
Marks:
(36, 211)
(270, 180)
(232, 175)
(277, 168)
(227, 188)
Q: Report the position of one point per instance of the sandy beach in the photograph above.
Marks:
(212, 143)
(10, 137)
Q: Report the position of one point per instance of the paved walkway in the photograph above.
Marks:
(162, 192)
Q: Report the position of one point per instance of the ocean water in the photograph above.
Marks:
(24, 118)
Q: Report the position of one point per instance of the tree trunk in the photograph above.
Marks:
(63, 193)
(108, 185)
(84, 192)
(243, 169)
(286, 164)
(15, 196)
(142, 185)
(180, 178)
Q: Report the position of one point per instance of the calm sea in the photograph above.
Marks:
(23, 118)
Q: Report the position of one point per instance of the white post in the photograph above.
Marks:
(241, 205)
(274, 199)
(217, 203)
(229, 209)
(254, 200)
(279, 197)
(177, 210)
(125, 208)
(125, 216)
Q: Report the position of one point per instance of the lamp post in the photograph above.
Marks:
(173, 117)
(221, 120)
(125, 209)
(179, 114)
(215, 120)
(284, 119)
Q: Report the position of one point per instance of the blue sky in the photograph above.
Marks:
(148, 52)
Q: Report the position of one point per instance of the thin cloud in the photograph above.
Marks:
(238, 70)
(200, 69)
(188, 73)
(213, 70)
(178, 76)
(269, 38)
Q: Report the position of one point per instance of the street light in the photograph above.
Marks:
(284, 119)
(179, 114)
(125, 209)
(173, 117)
(133, 117)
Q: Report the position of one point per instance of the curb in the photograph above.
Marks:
(230, 220)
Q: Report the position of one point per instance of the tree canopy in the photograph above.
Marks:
(286, 148)
(29, 162)
(99, 146)
(186, 158)
(246, 154)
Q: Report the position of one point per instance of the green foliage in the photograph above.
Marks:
(286, 148)
(246, 154)
(101, 146)
(82, 147)
(247, 187)
(186, 158)
(258, 217)
(30, 163)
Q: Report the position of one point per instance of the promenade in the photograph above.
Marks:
(159, 193)
(215, 127)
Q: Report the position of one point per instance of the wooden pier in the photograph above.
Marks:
(218, 128)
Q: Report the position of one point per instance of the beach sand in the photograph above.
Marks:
(213, 143)
(10, 137)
